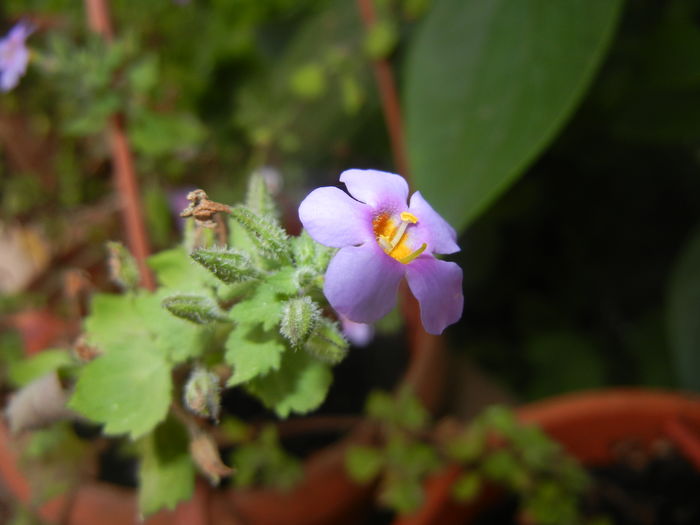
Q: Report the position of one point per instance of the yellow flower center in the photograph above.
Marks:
(391, 236)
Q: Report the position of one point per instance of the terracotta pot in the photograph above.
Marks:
(588, 425)
(325, 496)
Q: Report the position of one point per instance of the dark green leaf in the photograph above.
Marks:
(489, 85)
(166, 475)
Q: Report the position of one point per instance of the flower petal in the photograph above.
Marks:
(359, 334)
(431, 229)
(335, 219)
(438, 287)
(379, 189)
(362, 282)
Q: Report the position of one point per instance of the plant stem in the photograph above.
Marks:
(389, 96)
(122, 161)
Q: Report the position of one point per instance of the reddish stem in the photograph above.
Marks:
(389, 96)
(122, 160)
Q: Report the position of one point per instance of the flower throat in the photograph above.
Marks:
(393, 238)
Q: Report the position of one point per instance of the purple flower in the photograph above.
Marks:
(14, 55)
(381, 240)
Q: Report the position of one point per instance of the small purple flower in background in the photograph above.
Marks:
(14, 55)
(381, 240)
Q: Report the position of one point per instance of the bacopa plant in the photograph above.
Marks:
(242, 304)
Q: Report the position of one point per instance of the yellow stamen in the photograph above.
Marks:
(385, 243)
(398, 234)
(412, 256)
(408, 217)
(392, 235)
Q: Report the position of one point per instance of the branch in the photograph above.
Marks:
(389, 96)
(122, 161)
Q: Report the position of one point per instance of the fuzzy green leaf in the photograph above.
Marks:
(300, 385)
(128, 391)
(264, 306)
(269, 239)
(284, 281)
(308, 252)
(252, 352)
(166, 474)
(327, 343)
(230, 266)
(196, 308)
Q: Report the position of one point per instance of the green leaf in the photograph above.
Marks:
(308, 252)
(24, 372)
(264, 462)
(264, 306)
(196, 308)
(284, 281)
(300, 385)
(129, 391)
(123, 321)
(684, 314)
(509, 75)
(363, 463)
(166, 474)
(403, 410)
(252, 352)
(230, 266)
(309, 81)
(114, 321)
(467, 487)
(381, 39)
(403, 494)
(175, 269)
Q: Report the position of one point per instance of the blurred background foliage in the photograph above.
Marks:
(561, 138)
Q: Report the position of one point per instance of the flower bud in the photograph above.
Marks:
(123, 270)
(196, 308)
(203, 393)
(299, 318)
(231, 266)
(327, 343)
(269, 238)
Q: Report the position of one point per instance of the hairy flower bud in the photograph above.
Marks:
(196, 308)
(269, 239)
(259, 197)
(231, 266)
(203, 393)
(123, 270)
(327, 342)
(299, 318)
